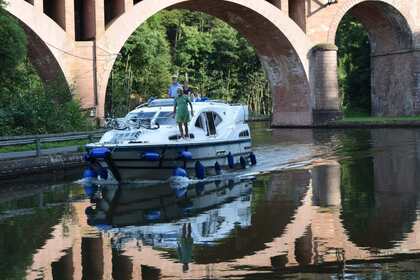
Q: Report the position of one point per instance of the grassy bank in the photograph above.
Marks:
(361, 118)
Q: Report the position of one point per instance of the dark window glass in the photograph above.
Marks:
(244, 133)
(166, 118)
(211, 128)
(199, 122)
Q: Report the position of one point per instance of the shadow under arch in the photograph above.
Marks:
(391, 40)
(42, 59)
(38, 29)
(280, 44)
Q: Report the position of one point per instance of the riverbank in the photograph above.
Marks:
(365, 122)
(13, 168)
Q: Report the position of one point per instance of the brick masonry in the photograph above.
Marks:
(303, 79)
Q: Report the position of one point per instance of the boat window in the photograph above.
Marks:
(176, 137)
(217, 119)
(244, 133)
(140, 116)
(211, 127)
(199, 122)
(166, 118)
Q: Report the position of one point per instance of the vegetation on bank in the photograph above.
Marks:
(354, 67)
(379, 120)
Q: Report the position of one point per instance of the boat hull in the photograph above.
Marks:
(131, 163)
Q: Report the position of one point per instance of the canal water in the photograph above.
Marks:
(320, 204)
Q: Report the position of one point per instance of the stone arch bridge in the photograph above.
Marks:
(295, 40)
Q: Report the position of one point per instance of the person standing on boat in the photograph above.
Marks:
(174, 87)
(182, 116)
(185, 247)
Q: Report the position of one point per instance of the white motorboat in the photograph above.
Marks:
(146, 144)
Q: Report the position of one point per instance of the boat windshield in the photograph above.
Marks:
(166, 118)
(142, 118)
(134, 116)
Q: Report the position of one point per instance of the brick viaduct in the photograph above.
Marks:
(295, 40)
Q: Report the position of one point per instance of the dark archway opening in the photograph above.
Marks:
(354, 67)
(218, 62)
(375, 35)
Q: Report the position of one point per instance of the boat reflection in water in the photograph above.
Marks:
(171, 216)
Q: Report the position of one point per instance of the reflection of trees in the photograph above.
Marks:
(379, 193)
(20, 237)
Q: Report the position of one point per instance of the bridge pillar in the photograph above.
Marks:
(324, 83)
(69, 19)
(416, 90)
(39, 5)
(326, 183)
(297, 12)
(392, 83)
(100, 18)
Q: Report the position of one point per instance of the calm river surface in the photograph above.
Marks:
(320, 204)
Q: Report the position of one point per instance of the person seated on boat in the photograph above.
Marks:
(174, 87)
(187, 90)
(182, 116)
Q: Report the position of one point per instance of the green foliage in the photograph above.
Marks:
(354, 66)
(28, 106)
(22, 236)
(13, 44)
(143, 69)
(218, 62)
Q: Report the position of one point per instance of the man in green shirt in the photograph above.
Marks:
(185, 247)
(182, 116)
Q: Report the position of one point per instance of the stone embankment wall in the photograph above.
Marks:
(14, 168)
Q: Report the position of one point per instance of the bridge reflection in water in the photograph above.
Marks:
(360, 204)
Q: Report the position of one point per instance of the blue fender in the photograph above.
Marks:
(151, 156)
(253, 159)
(99, 153)
(180, 172)
(231, 160)
(243, 162)
(217, 168)
(185, 155)
(200, 170)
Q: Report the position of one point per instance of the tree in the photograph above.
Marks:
(13, 43)
(354, 65)
(142, 69)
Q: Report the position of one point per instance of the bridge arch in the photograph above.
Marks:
(281, 45)
(390, 33)
(45, 40)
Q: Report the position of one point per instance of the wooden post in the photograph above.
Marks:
(38, 146)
